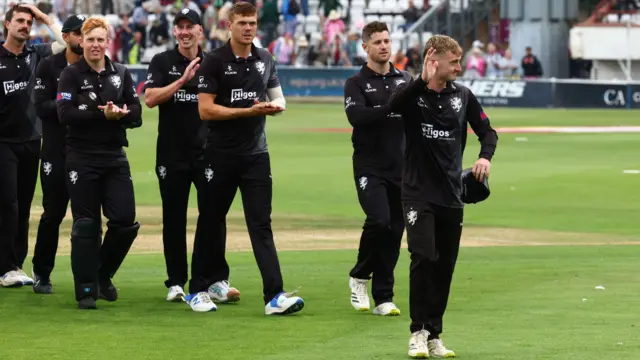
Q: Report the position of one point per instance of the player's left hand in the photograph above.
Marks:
(481, 169)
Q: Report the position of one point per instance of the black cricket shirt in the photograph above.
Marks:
(80, 91)
(237, 83)
(47, 77)
(436, 133)
(181, 133)
(378, 137)
(18, 119)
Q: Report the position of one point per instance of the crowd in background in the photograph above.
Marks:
(141, 29)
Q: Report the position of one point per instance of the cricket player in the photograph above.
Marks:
(234, 83)
(97, 101)
(181, 141)
(20, 134)
(436, 111)
(378, 152)
(55, 196)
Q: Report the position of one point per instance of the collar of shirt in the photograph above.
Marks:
(369, 73)
(6, 53)
(228, 54)
(178, 56)
(83, 66)
(450, 88)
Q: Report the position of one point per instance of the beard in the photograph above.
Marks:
(76, 49)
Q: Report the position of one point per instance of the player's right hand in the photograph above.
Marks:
(265, 108)
(429, 66)
(191, 70)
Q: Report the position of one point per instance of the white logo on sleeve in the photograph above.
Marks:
(456, 103)
(240, 94)
(162, 171)
(73, 176)
(39, 85)
(363, 181)
(47, 167)
(208, 174)
(260, 67)
(348, 102)
(412, 217)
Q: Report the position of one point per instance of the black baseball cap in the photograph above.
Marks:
(473, 191)
(189, 15)
(73, 23)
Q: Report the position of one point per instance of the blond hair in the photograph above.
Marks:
(94, 23)
(442, 44)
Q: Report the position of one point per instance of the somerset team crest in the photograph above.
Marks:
(260, 67)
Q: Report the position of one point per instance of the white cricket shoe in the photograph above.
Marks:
(176, 294)
(12, 279)
(437, 349)
(222, 293)
(418, 345)
(283, 304)
(200, 302)
(386, 309)
(359, 294)
(26, 280)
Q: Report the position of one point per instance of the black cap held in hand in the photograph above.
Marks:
(73, 23)
(189, 15)
(473, 191)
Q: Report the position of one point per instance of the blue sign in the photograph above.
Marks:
(314, 81)
(581, 95)
(509, 93)
(633, 96)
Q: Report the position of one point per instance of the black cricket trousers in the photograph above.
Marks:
(94, 186)
(433, 234)
(175, 181)
(223, 175)
(381, 234)
(18, 178)
(55, 200)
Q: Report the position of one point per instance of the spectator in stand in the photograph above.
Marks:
(414, 60)
(126, 35)
(476, 65)
(338, 53)
(328, 6)
(411, 15)
(476, 46)
(269, 21)
(319, 53)
(302, 52)
(510, 68)
(531, 67)
(192, 5)
(284, 49)
(290, 9)
(334, 25)
(159, 32)
(135, 48)
(209, 17)
(400, 60)
(140, 21)
(354, 49)
(493, 61)
(107, 7)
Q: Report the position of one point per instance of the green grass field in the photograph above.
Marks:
(562, 219)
